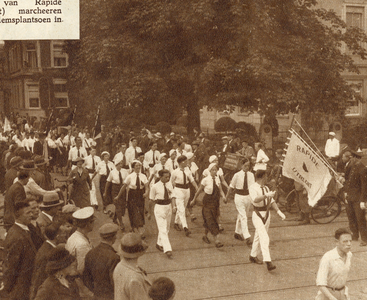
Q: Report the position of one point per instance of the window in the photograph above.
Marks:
(61, 93)
(354, 108)
(15, 58)
(32, 95)
(59, 57)
(30, 60)
(354, 17)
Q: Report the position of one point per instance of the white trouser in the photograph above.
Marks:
(163, 214)
(243, 204)
(93, 195)
(182, 198)
(261, 239)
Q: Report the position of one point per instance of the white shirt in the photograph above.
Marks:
(207, 183)
(332, 147)
(206, 172)
(261, 160)
(148, 158)
(78, 246)
(188, 148)
(73, 153)
(88, 162)
(130, 154)
(171, 165)
(193, 168)
(255, 191)
(238, 178)
(28, 144)
(87, 143)
(333, 272)
(119, 156)
(130, 180)
(157, 191)
(154, 171)
(101, 168)
(115, 178)
(177, 176)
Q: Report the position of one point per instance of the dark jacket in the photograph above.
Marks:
(38, 148)
(36, 235)
(19, 262)
(52, 289)
(10, 175)
(39, 272)
(99, 265)
(16, 193)
(355, 181)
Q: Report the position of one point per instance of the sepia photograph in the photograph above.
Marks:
(183, 149)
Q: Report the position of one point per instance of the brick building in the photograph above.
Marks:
(36, 77)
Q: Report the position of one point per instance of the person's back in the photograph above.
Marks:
(162, 288)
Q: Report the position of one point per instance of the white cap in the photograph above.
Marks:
(189, 155)
(83, 213)
(172, 151)
(332, 133)
(212, 158)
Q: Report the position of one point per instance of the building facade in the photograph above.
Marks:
(36, 77)
(354, 13)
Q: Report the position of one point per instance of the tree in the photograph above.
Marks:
(148, 60)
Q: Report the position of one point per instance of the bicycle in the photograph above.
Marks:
(327, 209)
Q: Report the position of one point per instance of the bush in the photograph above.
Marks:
(182, 121)
(247, 131)
(225, 124)
(163, 128)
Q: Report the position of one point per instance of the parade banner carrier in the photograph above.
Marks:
(302, 164)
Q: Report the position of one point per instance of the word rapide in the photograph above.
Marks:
(48, 2)
(307, 153)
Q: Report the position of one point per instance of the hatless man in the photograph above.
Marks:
(334, 268)
(75, 152)
(131, 153)
(100, 263)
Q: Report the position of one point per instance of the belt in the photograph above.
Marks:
(163, 202)
(336, 289)
(261, 208)
(182, 186)
(241, 192)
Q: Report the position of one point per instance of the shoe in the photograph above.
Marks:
(177, 227)
(169, 254)
(270, 266)
(238, 237)
(362, 244)
(248, 242)
(255, 260)
(160, 248)
(206, 239)
(187, 231)
(219, 245)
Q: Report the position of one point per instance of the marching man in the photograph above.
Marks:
(262, 200)
(161, 194)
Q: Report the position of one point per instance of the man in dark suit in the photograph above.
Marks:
(42, 257)
(16, 193)
(100, 263)
(36, 234)
(356, 193)
(20, 254)
(12, 173)
(38, 145)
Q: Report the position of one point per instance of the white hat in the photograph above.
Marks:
(104, 153)
(158, 135)
(189, 155)
(162, 155)
(212, 158)
(83, 213)
(332, 133)
(172, 133)
(118, 161)
(136, 162)
(172, 151)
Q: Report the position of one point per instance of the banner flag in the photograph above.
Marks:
(302, 164)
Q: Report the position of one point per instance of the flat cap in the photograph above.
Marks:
(108, 230)
(83, 213)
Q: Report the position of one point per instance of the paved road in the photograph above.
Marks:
(201, 271)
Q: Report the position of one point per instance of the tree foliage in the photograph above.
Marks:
(147, 60)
